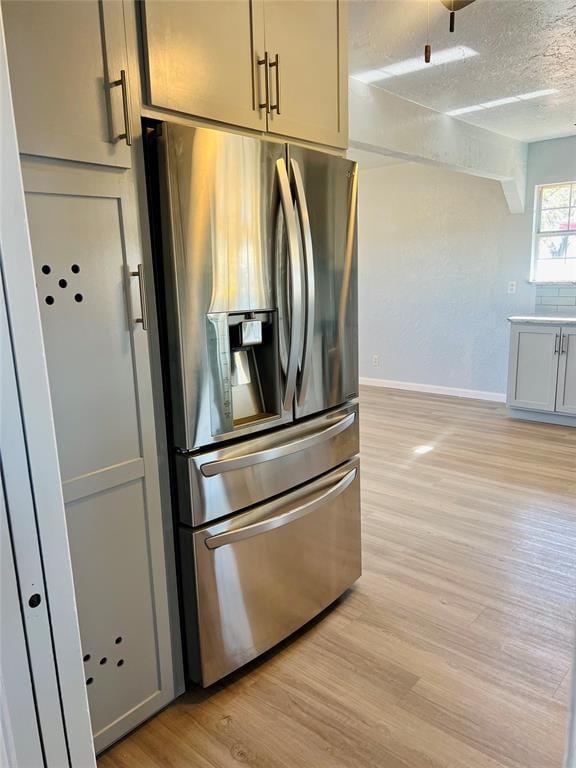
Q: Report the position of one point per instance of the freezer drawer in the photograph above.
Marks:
(252, 580)
(212, 485)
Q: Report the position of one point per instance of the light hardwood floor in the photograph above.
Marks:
(453, 650)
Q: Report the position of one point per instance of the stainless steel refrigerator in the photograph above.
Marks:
(256, 258)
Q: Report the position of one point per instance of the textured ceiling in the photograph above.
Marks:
(523, 46)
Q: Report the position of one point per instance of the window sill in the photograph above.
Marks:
(552, 283)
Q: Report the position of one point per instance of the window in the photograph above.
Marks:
(554, 248)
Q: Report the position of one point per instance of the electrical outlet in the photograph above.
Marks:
(375, 360)
(512, 286)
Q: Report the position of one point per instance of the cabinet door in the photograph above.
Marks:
(566, 394)
(533, 369)
(202, 58)
(84, 241)
(308, 87)
(63, 56)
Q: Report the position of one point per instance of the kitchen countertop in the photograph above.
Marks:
(543, 319)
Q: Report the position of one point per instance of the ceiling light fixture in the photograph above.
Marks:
(406, 66)
(501, 102)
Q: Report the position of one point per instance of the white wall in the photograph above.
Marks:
(436, 252)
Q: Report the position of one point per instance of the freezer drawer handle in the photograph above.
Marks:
(248, 531)
(257, 457)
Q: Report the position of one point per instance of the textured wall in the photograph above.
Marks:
(436, 252)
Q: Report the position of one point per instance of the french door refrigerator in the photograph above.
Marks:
(255, 249)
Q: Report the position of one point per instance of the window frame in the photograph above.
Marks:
(537, 234)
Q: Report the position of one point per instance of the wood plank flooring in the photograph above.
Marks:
(453, 650)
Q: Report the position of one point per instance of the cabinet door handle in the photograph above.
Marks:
(556, 343)
(564, 347)
(139, 273)
(276, 64)
(127, 135)
(266, 103)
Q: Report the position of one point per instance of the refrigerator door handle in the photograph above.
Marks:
(306, 234)
(281, 285)
(277, 521)
(220, 466)
(295, 283)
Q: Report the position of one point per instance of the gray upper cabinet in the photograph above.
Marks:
(66, 58)
(533, 370)
(202, 58)
(566, 390)
(308, 76)
(272, 65)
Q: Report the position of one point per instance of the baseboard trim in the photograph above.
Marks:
(563, 419)
(434, 389)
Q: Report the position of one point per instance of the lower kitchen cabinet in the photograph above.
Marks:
(533, 366)
(566, 390)
(86, 246)
(542, 367)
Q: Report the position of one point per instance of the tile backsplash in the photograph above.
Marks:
(556, 299)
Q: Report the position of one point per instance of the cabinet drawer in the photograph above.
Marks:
(266, 572)
(215, 484)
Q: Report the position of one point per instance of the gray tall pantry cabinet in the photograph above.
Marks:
(262, 66)
(70, 84)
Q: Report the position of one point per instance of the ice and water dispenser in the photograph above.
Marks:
(244, 362)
